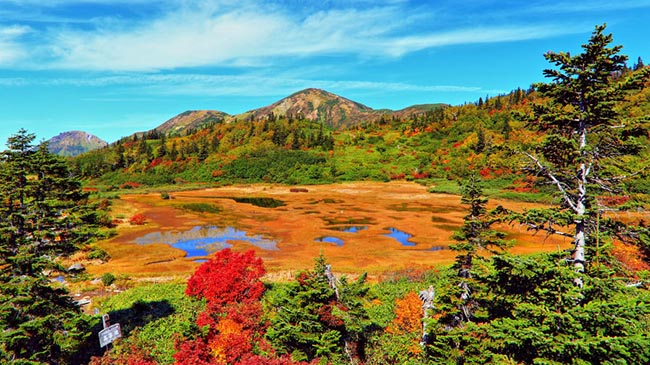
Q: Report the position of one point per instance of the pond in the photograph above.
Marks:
(348, 229)
(204, 240)
(329, 239)
(400, 236)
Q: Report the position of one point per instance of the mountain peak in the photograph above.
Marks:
(316, 104)
(190, 119)
(73, 143)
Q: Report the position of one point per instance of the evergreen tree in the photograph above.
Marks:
(639, 64)
(319, 316)
(42, 216)
(144, 149)
(119, 151)
(173, 152)
(162, 150)
(579, 120)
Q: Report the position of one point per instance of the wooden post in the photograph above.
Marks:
(427, 303)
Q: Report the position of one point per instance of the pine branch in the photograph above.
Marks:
(549, 229)
(552, 177)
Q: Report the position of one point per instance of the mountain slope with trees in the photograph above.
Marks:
(74, 143)
(580, 139)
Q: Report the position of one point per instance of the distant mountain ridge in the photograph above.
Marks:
(316, 104)
(313, 104)
(190, 120)
(74, 143)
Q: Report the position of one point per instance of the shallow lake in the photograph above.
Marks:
(204, 240)
(400, 236)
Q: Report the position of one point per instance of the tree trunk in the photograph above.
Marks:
(580, 239)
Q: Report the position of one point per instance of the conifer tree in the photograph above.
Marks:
(320, 316)
(584, 134)
(42, 216)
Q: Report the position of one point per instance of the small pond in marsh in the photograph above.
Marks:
(349, 229)
(204, 240)
(400, 236)
(329, 239)
(337, 241)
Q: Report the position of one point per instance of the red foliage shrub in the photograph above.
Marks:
(397, 176)
(525, 185)
(613, 201)
(283, 360)
(138, 219)
(420, 175)
(228, 277)
(326, 315)
(130, 185)
(218, 173)
(230, 282)
(155, 162)
(485, 172)
(457, 144)
(194, 352)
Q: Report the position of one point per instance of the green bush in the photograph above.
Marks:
(108, 279)
(97, 253)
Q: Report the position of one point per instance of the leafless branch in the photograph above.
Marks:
(548, 229)
(557, 183)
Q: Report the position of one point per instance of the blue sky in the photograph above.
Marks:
(114, 67)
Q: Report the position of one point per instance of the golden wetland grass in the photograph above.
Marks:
(297, 226)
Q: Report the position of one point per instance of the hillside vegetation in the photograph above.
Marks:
(317, 137)
(582, 138)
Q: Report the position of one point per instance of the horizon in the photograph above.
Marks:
(114, 68)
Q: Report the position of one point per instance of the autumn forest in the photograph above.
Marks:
(543, 257)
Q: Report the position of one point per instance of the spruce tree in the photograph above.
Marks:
(584, 138)
(42, 217)
(320, 316)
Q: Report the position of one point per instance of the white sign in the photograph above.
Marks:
(109, 334)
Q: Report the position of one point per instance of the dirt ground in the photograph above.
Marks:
(307, 215)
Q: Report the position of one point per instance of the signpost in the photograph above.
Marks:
(109, 333)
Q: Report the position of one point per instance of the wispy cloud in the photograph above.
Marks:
(10, 48)
(248, 33)
(229, 85)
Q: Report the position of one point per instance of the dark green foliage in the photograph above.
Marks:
(108, 279)
(320, 317)
(586, 138)
(532, 317)
(276, 165)
(200, 207)
(152, 318)
(43, 215)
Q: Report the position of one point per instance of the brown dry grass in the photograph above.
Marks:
(430, 218)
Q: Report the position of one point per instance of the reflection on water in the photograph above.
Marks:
(201, 241)
(349, 229)
(260, 202)
(400, 236)
(330, 239)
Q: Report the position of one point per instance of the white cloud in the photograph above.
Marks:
(205, 85)
(247, 33)
(10, 48)
(253, 34)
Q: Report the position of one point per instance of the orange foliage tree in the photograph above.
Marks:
(408, 315)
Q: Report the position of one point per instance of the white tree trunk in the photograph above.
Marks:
(580, 239)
